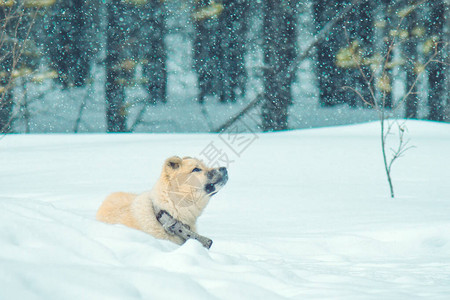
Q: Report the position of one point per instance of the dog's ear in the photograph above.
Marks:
(173, 162)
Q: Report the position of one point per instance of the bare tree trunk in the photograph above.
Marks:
(231, 43)
(438, 94)
(115, 92)
(387, 74)
(279, 54)
(153, 28)
(68, 42)
(364, 32)
(411, 55)
(82, 52)
(219, 48)
(206, 47)
(328, 75)
(6, 106)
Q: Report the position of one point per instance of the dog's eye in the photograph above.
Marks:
(196, 170)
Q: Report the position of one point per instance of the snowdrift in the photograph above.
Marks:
(306, 214)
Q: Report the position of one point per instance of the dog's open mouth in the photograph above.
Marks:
(212, 188)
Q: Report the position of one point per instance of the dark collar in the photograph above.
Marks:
(175, 227)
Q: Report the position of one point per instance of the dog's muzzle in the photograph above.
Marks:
(217, 179)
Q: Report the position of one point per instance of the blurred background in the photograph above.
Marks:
(200, 66)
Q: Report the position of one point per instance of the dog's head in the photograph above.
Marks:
(191, 182)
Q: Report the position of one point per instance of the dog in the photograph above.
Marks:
(183, 191)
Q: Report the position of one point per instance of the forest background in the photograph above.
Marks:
(199, 66)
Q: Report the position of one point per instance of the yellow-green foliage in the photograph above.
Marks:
(212, 10)
(418, 31)
(430, 44)
(7, 3)
(403, 34)
(419, 68)
(349, 57)
(42, 76)
(136, 2)
(384, 83)
(406, 11)
(38, 3)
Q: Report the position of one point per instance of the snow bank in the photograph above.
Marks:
(306, 214)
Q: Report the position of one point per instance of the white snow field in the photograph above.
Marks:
(306, 214)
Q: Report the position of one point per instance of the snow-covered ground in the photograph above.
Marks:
(306, 214)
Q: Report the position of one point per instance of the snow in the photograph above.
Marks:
(306, 214)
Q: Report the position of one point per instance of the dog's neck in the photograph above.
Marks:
(186, 213)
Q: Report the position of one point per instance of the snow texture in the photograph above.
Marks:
(305, 215)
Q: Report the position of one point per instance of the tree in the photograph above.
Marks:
(328, 75)
(322, 34)
(386, 81)
(115, 91)
(206, 46)
(70, 41)
(152, 29)
(219, 48)
(279, 31)
(412, 58)
(360, 29)
(7, 16)
(231, 41)
(378, 100)
(438, 93)
(355, 40)
(135, 35)
(16, 22)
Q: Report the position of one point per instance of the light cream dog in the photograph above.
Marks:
(183, 190)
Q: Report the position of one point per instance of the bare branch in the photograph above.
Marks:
(403, 145)
(346, 87)
(240, 114)
(139, 117)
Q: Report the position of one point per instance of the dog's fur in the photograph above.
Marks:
(183, 190)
